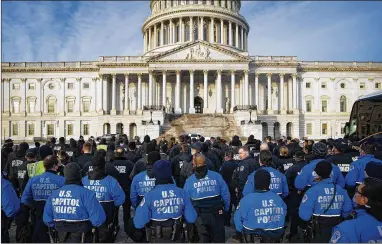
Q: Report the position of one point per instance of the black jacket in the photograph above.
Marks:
(177, 163)
(83, 159)
(124, 168)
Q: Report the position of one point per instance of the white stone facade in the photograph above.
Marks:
(183, 70)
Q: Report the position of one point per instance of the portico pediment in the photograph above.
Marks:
(199, 51)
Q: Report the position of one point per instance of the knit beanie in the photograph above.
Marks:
(153, 157)
(23, 146)
(45, 151)
(72, 173)
(262, 179)
(99, 162)
(146, 139)
(150, 147)
(162, 170)
(374, 169)
(323, 169)
(320, 149)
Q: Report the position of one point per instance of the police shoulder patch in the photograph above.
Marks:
(305, 198)
(351, 167)
(142, 202)
(241, 168)
(335, 237)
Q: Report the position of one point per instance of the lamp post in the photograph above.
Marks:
(151, 116)
(250, 116)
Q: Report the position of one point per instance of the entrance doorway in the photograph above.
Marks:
(198, 103)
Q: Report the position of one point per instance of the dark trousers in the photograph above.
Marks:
(137, 235)
(126, 213)
(40, 232)
(75, 237)
(293, 203)
(210, 226)
(5, 224)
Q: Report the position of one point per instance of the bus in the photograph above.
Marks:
(365, 117)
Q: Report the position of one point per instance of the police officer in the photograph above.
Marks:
(162, 208)
(366, 226)
(61, 145)
(108, 192)
(356, 173)
(208, 191)
(15, 167)
(124, 167)
(130, 154)
(246, 166)
(38, 190)
(73, 210)
(72, 150)
(295, 196)
(10, 205)
(278, 184)
(109, 168)
(261, 213)
(339, 158)
(307, 175)
(179, 161)
(86, 156)
(324, 204)
(37, 168)
(140, 165)
(282, 162)
(5, 152)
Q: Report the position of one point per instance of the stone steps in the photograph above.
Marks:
(205, 124)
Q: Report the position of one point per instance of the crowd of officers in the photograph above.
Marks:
(187, 190)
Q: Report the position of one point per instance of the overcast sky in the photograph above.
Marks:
(83, 31)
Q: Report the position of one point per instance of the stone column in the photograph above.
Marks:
(246, 87)
(40, 99)
(191, 29)
(100, 95)
(282, 109)
(94, 96)
(212, 39)
(62, 109)
(126, 109)
(242, 38)
(232, 89)
(139, 92)
(257, 90)
(192, 108)
(269, 90)
(24, 97)
(105, 94)
(201, 28)
(149, 47)
(155, 36)
(161, 33)
(237, 36)
(205, 90)
(78, 95)
(221, 31)
(113, 94)
(219, 108)
(178, 110)
(171, 41)
(230, 33)
(181, 39)
(164, 89)
(294, 95)
(150, 87)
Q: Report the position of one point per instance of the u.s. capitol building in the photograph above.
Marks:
(195, 60)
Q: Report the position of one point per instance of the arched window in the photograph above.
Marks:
(158, 37)
(216, 33)
(177, 39)
(165, 35)
(187, 31)
(205, 32)
(342, 104)
(196, 31)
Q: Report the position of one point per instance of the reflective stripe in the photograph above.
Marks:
(70, 220)
(39, 200)
(107, 201)
(166, 219)
(263, 229)
(195, 199)
(321, 215)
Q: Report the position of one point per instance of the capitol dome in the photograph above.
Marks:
(175, 22)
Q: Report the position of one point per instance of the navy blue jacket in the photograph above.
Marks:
(162, 203)
(73, 203)
(356, 173)
(141, 184)
(10, 203)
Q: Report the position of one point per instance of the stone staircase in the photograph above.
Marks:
(223, 125)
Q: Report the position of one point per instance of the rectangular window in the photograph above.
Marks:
(70, 129)
(362, 86)
(50, 130)
(16, 86)
(70, 86)
(308, 106)
(307, 85)
(16, 107)
(30, 129)
(31, 107)
(324, 106)
(323, 85)
(86, 129)
(85, 85)
(32, 86)
(15, 129)
(70, 106)
(324, 128)
(378, 85)
(86, 105)
(51, 106)
(309, 129)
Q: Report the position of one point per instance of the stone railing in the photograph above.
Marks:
(289, 111)
(275, 58)
(244, 107)
(88, 64)
(122, 59)
(154, 108)
(314, 64)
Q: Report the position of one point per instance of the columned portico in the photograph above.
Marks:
(219, 108)
(192, 108)
(178, 110)
(205, 90)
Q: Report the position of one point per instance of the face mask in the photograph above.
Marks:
(201, 172)
(150, 171)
